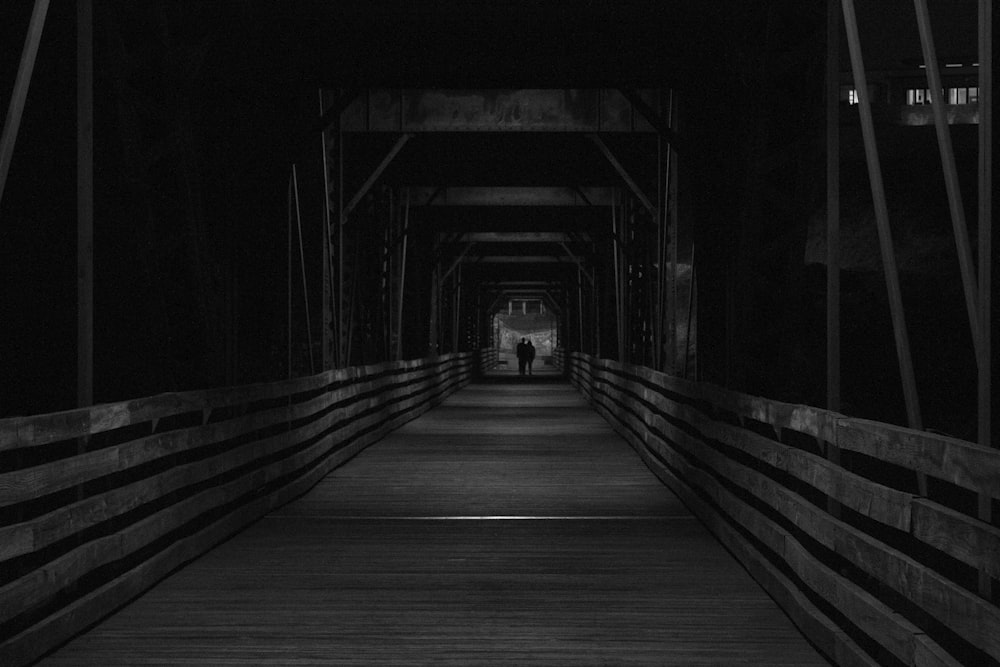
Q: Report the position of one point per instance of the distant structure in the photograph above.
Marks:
(901, 97)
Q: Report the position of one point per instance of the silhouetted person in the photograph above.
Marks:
(522, 356)
(531, 356)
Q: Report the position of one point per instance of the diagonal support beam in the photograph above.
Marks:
(633, 186)
(649, 113)
(20, 92)
(356, 199)
(952, 187)
(458, 260)
(579, 263)
(882, 218)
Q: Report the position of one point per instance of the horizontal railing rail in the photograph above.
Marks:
(97, 504)
(869, 535)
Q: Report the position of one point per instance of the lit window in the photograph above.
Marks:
(852, 96)
(973, 95)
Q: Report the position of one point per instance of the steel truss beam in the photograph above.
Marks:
(633, 186)
(649, 113)
(511, 196)
(882, 218)
(356, 199)
(20, 93)
(495, 110)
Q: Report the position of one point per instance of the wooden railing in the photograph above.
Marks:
(488, 358)
(867, 534)
(98, 504)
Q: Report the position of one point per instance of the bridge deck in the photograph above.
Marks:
(509, 524)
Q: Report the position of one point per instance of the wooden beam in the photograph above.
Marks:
(20, 92)
(633, 186)
(356, 199)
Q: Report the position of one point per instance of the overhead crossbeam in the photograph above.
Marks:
(494, 110)
(515, 237)
(629, 181)
(518, 259)
(511, 196)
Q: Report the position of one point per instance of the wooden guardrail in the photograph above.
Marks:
(98, 504)
(488, 358)
(867, 534)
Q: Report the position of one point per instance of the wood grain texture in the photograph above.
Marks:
(356, 571)
(963, 463)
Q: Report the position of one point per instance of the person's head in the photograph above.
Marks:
(523, 339)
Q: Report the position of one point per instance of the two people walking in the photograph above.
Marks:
(525, 356)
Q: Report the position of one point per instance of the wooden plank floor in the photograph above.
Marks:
(509, 525)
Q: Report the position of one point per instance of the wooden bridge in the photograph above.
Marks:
(405, 496)
(437, 511)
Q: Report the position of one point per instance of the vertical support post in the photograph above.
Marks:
(985, 215)
(327, 254)
(288, 283)
(661, 201)
(85, 200)
(690, 315)
(955, 204)
(455, 315)
(832, 226)
(619, 278)
(27, 65)
(673, 235)
(882, 219)
(579, 308)
(985, 503)
(402, 278)
(433, 333)
(833, 205)
(342, 334)
(302, 263)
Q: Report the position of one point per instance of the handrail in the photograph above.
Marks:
(899, 569)
(162, 479)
